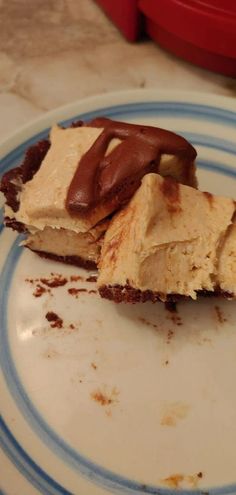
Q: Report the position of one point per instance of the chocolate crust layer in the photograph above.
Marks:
(14, 225)
(69, 260)
(128, 294)
(12, 180)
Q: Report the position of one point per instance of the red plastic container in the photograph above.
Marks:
(125, 14)
(200, 31)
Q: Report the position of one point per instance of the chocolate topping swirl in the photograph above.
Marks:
(116, 176)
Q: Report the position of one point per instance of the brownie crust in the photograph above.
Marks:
(128, 294)
(12, 181)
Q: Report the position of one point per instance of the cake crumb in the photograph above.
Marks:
(72, 326)
(54, 281)
(220, 315)
(75, 292)
(174, 480)
(39, 291)
(51, 353)
(173, 412)
(76, 278)
(56, 321)
(193, 479)
(176, 319)
(147, 322)
(94, 366)
(104, 398)
(92, 278)
(170, 335)
(177, 480)
(92, 291)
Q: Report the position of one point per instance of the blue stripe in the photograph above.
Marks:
(16, 156)
(26, 465)
(153, 109)
(216, 167)
(1, 220)
(91, 471)
(161, 109)
(210, 142)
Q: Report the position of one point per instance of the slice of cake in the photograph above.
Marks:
(169, 241)
(68, 186)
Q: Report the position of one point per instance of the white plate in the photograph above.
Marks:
(128, 401)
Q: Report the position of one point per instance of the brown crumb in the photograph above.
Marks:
(104, 398)
(39, 291)
(147, 322)
(92, 278)
(166, 362)
(92, 291)
(176, 319)
(57, 322)
(71, 326)
(220, 315)
(173, 412)
(54, 281)
(94, 366)
(74, 292)
(193, 479)
(174, 480)
(100, 397)
(76, 278)
(169, 336)
(51, 353)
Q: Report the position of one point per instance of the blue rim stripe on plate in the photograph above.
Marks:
(44, 483)
(15, 157)
(164, 108)
(216, 167)
(1, 220)
(91, 471)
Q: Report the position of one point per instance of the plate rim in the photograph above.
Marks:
(97, 101)
(67, 111)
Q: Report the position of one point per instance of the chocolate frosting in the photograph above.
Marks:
(116, 177)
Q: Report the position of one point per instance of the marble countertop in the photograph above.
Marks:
(56, 51)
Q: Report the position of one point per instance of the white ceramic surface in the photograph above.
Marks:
(131, 400)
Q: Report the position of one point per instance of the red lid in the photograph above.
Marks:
(208, 24)
(125, 14)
